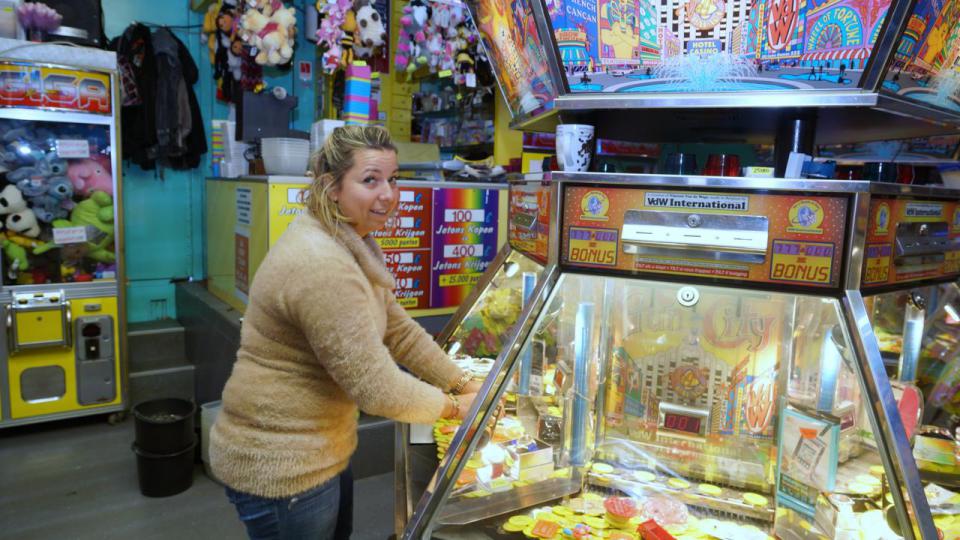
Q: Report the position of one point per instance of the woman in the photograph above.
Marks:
(322, 337)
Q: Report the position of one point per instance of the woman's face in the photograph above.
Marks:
(368, 192)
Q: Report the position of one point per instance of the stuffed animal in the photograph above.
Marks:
(349, 27)
(95, 212)
(31, 181)
(23, 222)
(330, 32)
(370, 34)
(11, 200)
(15, 247)
(271, 35)
(410, 48)
(89, 175)
(56, 202)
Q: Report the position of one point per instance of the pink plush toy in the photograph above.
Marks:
(91, 174)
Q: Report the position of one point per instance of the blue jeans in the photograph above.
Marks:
(309, 515)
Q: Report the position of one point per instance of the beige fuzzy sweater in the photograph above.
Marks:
(322, 336)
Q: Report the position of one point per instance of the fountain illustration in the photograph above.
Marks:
(705, 73)
(946, 86)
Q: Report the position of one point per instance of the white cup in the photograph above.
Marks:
(574, 146)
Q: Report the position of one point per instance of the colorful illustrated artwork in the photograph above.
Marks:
(508, 30)
(926, 65)
(735, 45)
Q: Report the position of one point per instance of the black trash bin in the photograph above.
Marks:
(164, 444)
(163, 475)
(164, 426)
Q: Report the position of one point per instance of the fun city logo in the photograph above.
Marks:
(594, 206)
(882, 219)
(806, 216)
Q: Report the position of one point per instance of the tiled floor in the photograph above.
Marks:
(77, 479)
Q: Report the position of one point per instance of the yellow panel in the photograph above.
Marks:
(507, 143)
(221, 218)
(225, 232)
(39, 326)
(66, 360)
(284, 206)
(533, 157)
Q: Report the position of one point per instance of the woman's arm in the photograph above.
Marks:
(413, 348)
(332, 309)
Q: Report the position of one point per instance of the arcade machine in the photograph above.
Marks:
(480, 328)
(909, 285)
(697, 364)
(708, 366)
(61, 297)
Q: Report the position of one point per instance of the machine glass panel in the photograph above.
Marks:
(641, 409)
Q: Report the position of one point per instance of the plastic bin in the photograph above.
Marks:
(164, 426)
(208, 415)
(163, 475)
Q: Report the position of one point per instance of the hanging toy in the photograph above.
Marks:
(330, 32)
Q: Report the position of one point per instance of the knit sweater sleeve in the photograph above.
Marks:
(413, 348)
(332, 308)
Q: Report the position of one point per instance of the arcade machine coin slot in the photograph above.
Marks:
(683, 234)
(921, 243)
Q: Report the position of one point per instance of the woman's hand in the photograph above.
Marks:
(466, 400)
(472, 387)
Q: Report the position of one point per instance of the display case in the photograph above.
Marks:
(480, 329)
(61, 354)
(443, 237)
(909, 285)
(705, 369)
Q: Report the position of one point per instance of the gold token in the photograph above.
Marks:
(528, 531)
(877, 470)
(601, 468)
(595, 522)
(592, 497)
(678, 483)
(754, 499)
(520, 520)
(644, 476)
(562, 510)
(709, 489)
(510, 527)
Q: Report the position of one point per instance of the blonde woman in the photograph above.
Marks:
(322, 337)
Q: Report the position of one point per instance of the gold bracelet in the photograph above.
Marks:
(461, 383)
(456, 405)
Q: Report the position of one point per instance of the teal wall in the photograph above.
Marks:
(164, 217)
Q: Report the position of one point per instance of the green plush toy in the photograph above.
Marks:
(17, 255)
(96, 215)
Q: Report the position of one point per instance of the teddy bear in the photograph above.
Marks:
(271, 35)
(370, 34)
(90, 174)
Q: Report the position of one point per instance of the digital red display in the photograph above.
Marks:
(681, 422)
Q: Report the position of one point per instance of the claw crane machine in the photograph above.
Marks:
(711, 375)
(60, 299)
(912, 262)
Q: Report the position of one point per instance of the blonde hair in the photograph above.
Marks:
(329, 164)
